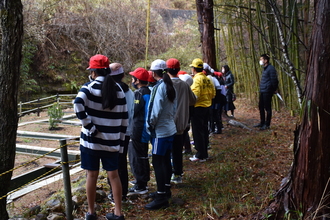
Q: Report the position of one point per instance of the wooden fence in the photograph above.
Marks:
(37, 105)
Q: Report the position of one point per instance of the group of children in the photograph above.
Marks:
(117, 122)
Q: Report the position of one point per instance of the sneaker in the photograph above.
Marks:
(136, 190)
(90, 216)
(196, 159)
(176, 179)
(133, 182)
(112, 201)
(112, 216)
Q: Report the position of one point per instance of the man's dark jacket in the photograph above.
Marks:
(269, 81)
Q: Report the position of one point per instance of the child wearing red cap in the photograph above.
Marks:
(101, 107)
(185, 99)
(138, 147)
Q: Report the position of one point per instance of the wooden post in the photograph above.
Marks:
(38, 111)
(66, 180)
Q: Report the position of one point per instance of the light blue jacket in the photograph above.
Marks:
(161, 113)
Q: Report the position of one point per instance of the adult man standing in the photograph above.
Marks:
(185, 98)
(204, 90)
(268, 86)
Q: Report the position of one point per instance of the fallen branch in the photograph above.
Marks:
(238, 124)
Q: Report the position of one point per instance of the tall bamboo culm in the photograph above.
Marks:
(248, 29)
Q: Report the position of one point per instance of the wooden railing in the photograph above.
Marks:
(37, 105)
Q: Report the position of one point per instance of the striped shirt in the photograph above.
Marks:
(103, 130)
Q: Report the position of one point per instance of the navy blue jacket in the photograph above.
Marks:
(269, 81)
(141, 101)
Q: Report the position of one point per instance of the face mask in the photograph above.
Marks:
(261, 63)
(134, 86)
(223, 70)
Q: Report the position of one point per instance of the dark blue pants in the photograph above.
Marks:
(163, 170)
(139, 162)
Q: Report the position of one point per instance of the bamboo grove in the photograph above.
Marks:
(246, 29)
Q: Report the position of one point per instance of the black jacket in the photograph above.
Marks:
(229, 82)
(269, 81)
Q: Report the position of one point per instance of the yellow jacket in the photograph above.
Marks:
(204, 90)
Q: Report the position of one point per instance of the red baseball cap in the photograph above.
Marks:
(217, 73)
(181, 72)
(98, 62)
(151, 78)
(140, 73)
(173, 63)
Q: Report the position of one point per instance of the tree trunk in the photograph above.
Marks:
(200, 11)
(305, 191)
(310, 173)
(11, 31)
(206, 27)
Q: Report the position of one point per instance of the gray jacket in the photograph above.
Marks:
(185, 98)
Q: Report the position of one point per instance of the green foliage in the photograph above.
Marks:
(27, 83)
(293, 215)
(55, 114)
(72, 86)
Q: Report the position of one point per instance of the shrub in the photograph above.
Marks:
(55, 114)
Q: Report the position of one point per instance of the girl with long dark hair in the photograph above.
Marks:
(161, 125)
(101, 107)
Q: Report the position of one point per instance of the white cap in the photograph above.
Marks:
(158, 65)
(187, 78)
(207, 67)
(116, 69)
